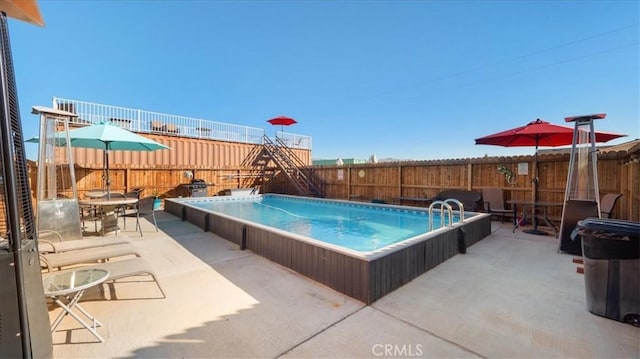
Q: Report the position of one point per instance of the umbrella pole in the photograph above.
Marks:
(535, 229)
(106, 163)
(104, 171)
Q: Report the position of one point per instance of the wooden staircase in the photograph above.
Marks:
(286, 162)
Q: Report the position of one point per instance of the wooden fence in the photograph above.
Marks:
(618, 172)
(158, 181)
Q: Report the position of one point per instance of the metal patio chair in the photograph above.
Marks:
(145, 207)
(608, 204)
(493, 200)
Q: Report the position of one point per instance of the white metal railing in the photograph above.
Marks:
(153, 122)
(443, 206)
(460, 207)
(294, 141)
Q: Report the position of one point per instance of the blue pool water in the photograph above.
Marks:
(352, 225)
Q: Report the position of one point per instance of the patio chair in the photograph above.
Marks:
(127, 268)
(608, 203)
(90, 214)
(50, 241)
(121, 211)
(135, 193)
(137, 190)
(171, 128)
(493, 201)
(58, 260)
(157, 126)
(145, 207)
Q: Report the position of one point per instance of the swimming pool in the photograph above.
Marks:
(351, 225)
(362, 250)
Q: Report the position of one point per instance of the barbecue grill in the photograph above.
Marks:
(197, 188)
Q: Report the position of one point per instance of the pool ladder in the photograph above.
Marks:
(445, 205)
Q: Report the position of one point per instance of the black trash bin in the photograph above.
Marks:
(611, 251)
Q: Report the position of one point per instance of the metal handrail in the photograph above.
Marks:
(286, 160)
(460, 207)
(443, 205)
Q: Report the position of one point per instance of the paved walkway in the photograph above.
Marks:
(510, 296)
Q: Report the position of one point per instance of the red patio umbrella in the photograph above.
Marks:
(539, 133)
(282, 121)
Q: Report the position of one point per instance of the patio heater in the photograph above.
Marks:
(582, 195)
(56, 212)
(24, 320)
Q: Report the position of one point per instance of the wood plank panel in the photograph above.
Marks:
(618, 172)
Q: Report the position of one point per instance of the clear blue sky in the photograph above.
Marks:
(402, 79)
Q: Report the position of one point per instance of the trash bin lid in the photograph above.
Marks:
(610, 228)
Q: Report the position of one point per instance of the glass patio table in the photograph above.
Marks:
(66, 288)
(108, 210)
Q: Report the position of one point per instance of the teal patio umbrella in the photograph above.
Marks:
(107, 137)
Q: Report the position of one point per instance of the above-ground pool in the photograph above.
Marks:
(362, 250)
(346, 224)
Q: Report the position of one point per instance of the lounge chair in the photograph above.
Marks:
(493, 201)
(127, 268)
(50, 241)
(88, 255)
(608, 203)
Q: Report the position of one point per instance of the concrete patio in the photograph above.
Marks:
(512, 295)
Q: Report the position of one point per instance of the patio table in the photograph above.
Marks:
(95, 194)
(108, 208)
(545, 214)
(66, 288)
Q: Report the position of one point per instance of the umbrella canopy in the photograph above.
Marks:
(538, 133)
(105, 136)
(282, 121)
(25, 10)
